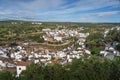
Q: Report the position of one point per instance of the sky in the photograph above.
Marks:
(61, 10)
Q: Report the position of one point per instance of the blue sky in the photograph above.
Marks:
(61, 10)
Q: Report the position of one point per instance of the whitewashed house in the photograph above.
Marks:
(1, 52)
(36, 61)
(110, 56)
(87, 52)
(58, 38)
(12, 55)
(69, 59)
(2, 64)
(46, 30)
(61, 54)
(21, 66)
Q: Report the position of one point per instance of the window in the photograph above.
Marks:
(19, 68)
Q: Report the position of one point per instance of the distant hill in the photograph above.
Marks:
(84, 24)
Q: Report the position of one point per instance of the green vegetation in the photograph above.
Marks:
(6, 76)
(113, 35)
(21, 32)
(93, 68)
(118, 47)
(38, 38)
(94, 42)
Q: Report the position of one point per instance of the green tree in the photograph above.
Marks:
(118, 47)
(5, 75)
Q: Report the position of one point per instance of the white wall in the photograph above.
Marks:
(20, 69)
(2, 64)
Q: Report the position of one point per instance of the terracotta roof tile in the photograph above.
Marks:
(23, 63)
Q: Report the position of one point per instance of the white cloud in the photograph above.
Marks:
(83, 5)
(21, 15)
(95, 4)
(59, 10)
(107, 14)
(42, 4)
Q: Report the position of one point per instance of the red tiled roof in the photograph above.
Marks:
(23, 63)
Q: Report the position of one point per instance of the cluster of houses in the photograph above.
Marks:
(109, 51)
(62, 35)
(19, 56)
(36, 23)
(15, 22)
